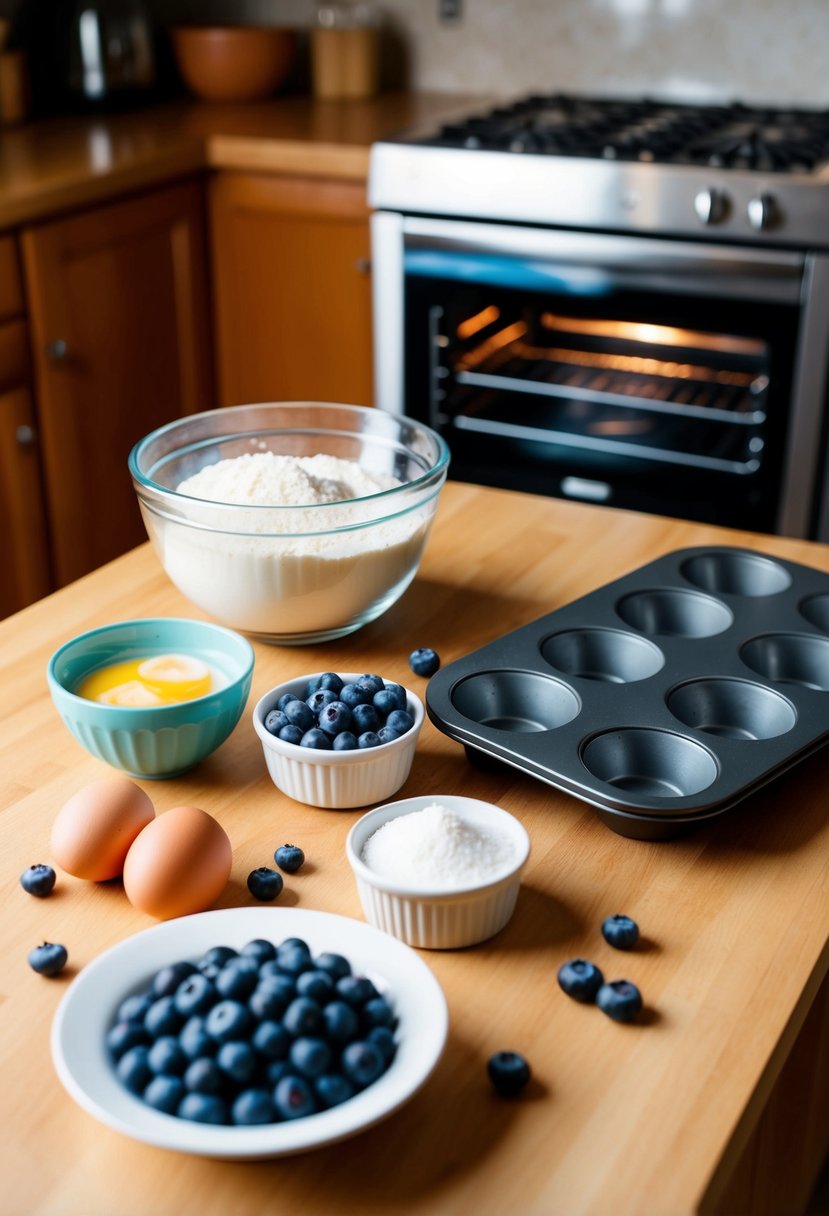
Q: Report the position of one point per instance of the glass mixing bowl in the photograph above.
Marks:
(301, 573)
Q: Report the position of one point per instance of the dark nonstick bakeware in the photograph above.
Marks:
(662, 698)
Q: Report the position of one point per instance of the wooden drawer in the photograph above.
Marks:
(11, 286)
(26, 559)
(14, 354)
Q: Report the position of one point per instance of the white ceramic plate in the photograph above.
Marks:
(88, 1008)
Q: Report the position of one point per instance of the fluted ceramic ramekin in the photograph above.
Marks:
(425, 916)
(336, 780)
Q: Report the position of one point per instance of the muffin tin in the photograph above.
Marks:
(662, 698)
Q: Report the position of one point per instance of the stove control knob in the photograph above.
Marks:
(763, 212)
(711, 206)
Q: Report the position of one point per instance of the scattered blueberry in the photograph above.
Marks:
(38, 880)
(424, 661)
(580, 979)
(264, 883)
(620, 931)
(289, 857)
(620, 1000)
(48, 959)
(509, 1072)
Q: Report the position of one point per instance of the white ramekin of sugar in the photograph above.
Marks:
(439, 871)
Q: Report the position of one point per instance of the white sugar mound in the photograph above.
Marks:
(436, 848)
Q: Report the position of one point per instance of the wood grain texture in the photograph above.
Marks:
(651, 1119)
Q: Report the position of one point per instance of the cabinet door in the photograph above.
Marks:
(292, 289)
(25, 557)
(120, 334)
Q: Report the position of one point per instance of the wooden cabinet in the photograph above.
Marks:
(25, 556)
(119, 320)
(292, 289)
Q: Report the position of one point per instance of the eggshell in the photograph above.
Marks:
(180, 863)
(93, 831)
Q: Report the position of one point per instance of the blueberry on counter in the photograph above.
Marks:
(620, 931)
(264, 883)
(48, 959)
(38, 880)
(424, 661)
(509, 1072)
(289, 857)
(580, 979)
(620, 1000)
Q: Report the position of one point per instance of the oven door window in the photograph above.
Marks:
(562, 382)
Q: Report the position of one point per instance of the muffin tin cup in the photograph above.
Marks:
(662, 698)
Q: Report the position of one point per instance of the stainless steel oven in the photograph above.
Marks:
(682, 372)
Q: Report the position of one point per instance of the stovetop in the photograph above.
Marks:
(735, 136)
(737, 173)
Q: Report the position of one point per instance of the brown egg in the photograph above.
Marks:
(93, 831)
(179, 864)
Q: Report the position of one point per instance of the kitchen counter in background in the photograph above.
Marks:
(718, 1100)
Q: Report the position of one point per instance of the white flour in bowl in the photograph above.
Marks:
(438, 849)
(254, 577)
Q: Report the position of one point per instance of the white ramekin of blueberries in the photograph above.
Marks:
(339, 739)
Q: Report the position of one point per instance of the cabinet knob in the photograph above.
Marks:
(362, 266)
(57, 350)
(26, 436)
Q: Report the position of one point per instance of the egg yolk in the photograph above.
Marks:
(141, 683)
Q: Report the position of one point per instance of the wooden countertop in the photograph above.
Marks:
(649, 1118)
(53, 165)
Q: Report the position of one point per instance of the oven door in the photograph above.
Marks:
(655, 375)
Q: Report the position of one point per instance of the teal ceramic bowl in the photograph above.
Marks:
(156, 741)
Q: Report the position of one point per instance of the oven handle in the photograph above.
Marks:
(595, 263)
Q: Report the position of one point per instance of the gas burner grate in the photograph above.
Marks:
(732, 137)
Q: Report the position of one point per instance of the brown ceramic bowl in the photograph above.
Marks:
(233, 63)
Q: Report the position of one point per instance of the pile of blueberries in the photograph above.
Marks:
(341, 717)
(621, 1000)
(261, 1035)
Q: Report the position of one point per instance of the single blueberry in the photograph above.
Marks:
(38, 880)
(371, 683)
(164, 1094)
(203, 1108)
(167, 1055)
(168, 978)
(285, 698)
(264, 883)
(362, 1062)
(398, 694)
(312, 685)
(318, 701)
(424, 661)
(352, 695)
(293, 962)
(162, 1017)
(385, 701)
(217, 956)
(318, 985)
(336, 965)
(294, 1098)
(356, 989)
(204, 1076)
(620, 931)
(335, 718)
(369, 739)
(133, 1008)
(383, 1037)
(316, 738)
(310, 1057)
(275, 720)
(386, 735)
(259, 949)
(365, 717)
(252, 1107)
(196, 995)
(295, 943)
(291, 734)
(237, 1060)
(330, 679)
(124, 1035)
(400, 720)
(620, 1000)
(276, 1070)
(289, 857)
(299, 714)
(133, 1071)
(227, 1020)
(194, 1039)
(271, 1040)
(377, 1012)
(48, 959)
(509, 1072)
(580, 979)
(238, 978)
(345, 742)
(332, 1089)
(302, 1017)
(341, 1022)
(272, 997)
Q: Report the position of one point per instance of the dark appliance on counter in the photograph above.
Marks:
(625, 302)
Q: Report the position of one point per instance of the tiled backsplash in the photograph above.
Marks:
(754, 50)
